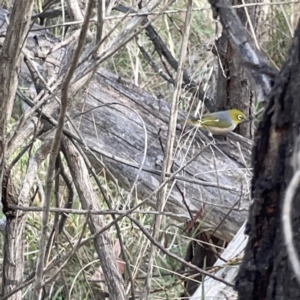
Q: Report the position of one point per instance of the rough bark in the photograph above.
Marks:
(266, 272)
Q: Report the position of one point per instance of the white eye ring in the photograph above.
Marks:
(240, 117)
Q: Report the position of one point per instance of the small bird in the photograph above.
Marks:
(220, 122)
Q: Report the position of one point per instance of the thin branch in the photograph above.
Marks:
(66, 211)
(167, 164)
(77, 246)
(10, 65)
(104, 194)
(89, 198)
(71, 195)
(75, 10)
(129, 32)
(100, 19)
(55, 149)
(179, 259)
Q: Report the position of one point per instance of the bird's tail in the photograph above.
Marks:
(190, 121)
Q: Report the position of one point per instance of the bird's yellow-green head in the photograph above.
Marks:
(237, 116)
(221, 122)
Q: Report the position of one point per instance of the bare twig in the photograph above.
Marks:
(161, 199)
(104, 194)
(100, 20)
(55, 149)
(89, 198)
(72, 252)
(65, 211)
(162, 249)
(131, 30)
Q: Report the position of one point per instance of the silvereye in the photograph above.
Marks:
(221, 122)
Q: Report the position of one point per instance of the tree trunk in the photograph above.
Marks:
(234, 88)
(266, 272)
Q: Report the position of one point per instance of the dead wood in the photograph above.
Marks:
(226, 268)
(107, 118)
(89, 200)
(112, 128)
(268, 268)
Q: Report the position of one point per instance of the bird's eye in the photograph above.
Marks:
(240, 117)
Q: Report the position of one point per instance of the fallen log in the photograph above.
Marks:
(110, 117)
(226, 268)
(125, 126)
